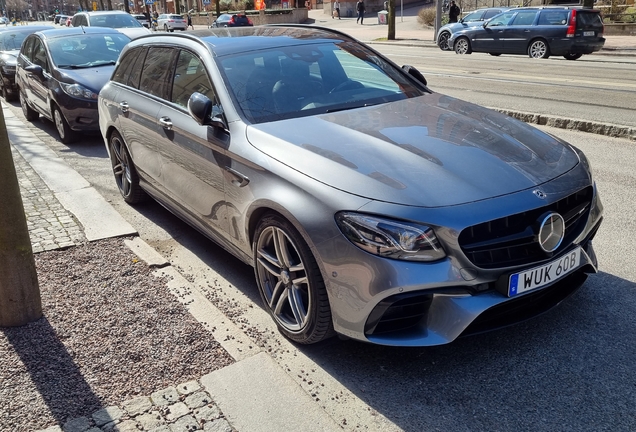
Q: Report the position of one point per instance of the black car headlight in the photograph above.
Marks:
(78, 91)
(390, 238)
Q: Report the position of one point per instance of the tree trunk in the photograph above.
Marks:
(588, 4)
(110, 4)
(391, 20)
(20, 301)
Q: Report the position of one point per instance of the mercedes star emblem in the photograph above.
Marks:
(551, 231)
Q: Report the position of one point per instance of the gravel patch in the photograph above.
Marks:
(111, 331)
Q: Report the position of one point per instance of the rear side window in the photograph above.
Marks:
(524, 18)
(557, 17)
(491, 13)
(156, 77)
(129, 70)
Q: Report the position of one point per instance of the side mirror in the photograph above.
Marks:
(205, 112)
(35, 70)
(414, 73)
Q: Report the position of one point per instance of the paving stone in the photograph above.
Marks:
(220, 425)
(94, 429)
(163, 428)
(198, 399)
(80, 424)
(51, 429)
(185, 424)
(137, 405)
(207, 413)
(107, 415)
(176, 411)
(188, 388)
(150, 420)
(126, 426)
(166, 396)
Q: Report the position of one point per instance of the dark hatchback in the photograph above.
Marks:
(236, 20)
(538, 32)
(11, 39)
(60, 73)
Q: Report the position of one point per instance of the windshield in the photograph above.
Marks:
(72, 52)
(12, 40)
(311, 79)
(114, 21)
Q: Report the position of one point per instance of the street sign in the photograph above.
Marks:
(150, 2)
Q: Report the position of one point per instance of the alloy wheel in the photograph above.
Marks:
(462, 46)
(121, 166)
(442, 41)
(538, 49)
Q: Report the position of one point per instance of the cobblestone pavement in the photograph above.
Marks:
(184, 408)
(50, 225)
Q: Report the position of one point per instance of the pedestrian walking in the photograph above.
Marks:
(336, 7)
(453, 12)
(190, 22)
(360, 8)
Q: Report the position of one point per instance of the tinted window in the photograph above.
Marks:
(28, 49)
(491, 13)
(524, 18)
(129, 70)
(157, 72)
(501, 20)
(190, 77)
(555, 17)
(114, 21)
(585, 18)
(87, 49)
(11, 40)
(39, 55)
(475, 16)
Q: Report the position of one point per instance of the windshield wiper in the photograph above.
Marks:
(351, 106)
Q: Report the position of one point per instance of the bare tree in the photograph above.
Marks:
(20, 301)
(15, 7)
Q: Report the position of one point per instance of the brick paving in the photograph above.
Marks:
(184, 408)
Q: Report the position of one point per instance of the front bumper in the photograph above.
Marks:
(81, 114)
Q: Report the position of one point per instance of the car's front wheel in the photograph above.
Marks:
(124, 170)
(29, 113)
(572, 56)
(495, 54)
(442, 41)
(462, 46)
(67, 135)
(290, 282)
(165, 28)
(538, 48)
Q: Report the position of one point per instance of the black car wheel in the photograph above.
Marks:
(495, 54)
(442, 41)
(572, 56)
(8, 96)
(29, 113)
(124, 170)
(538, 48)
(290, 282)
(165, 28)
(462, 46)
(67, 135)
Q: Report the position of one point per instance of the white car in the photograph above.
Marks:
(172, 22)
(119, 20)
(5, 21)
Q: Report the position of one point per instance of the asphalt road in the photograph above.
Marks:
(593, 88)
(570, 369)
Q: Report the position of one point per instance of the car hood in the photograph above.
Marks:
(455, 27)
(93, 78)
(429, 151)
(9, 57)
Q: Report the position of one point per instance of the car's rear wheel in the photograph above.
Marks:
(124, 170)
(67, 135)
(442, 41)
(290, 282)
(572, 56)
(165, 27)
(539, 48)
(462, 46)
(29, 113)
(8, 96)
(495, 54)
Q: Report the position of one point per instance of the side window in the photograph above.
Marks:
(189, 77)
(28, 49)
(130, 66)
(491, 13)
(549, 17)
(39, 55)
(156, 77)
(501, 20)
(524, 18)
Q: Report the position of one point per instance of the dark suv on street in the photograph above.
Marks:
(538, 31)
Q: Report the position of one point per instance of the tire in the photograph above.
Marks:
(495, 54)
(442, 41)
(165, 28)
(290, 282)
(67, 135)
(29, 113)
(124, 170)
(538, 48)
(5, 93)
(462, 46)
(567, 57)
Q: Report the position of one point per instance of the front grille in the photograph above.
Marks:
(511, 240)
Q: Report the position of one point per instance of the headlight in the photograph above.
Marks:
(78, 91)
(390, 238)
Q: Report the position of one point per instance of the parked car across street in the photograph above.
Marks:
(471, 19)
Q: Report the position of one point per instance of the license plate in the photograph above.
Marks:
(543, 275)
(588, 33)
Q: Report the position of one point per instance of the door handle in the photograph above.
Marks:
(239, 179)
(166, 123)
(123, 106)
